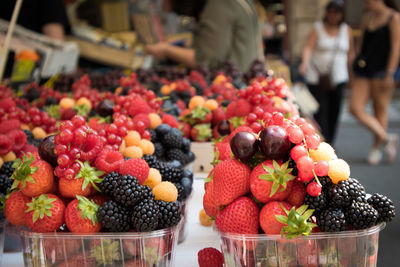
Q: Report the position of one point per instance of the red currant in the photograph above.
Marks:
(277, 118)
(74, 153)
(69, 174)
(300, 122)
(79, 136)
(63, 160)
(60, 149)
(256, 127)
(259, 112)
(111, 138)
(298, 151)
(251, 118)
(312, 141)
(122, 131)
(146, 135)
(306, 176)
(321, 168)
(314, 189)
(66, 136)
(59, 171)
(305, 164)
(308, 129)
(140, 126)
(112, 129)
(78, 121)
(295, 134)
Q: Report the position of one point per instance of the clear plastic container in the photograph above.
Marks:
(155, 248)
(2, 234)
(350, 248)
(183, 231)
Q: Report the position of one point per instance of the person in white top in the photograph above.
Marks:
(328, 52)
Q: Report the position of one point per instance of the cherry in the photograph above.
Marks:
(244, 145)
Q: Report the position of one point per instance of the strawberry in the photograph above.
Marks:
(27, 148)
(99, 199)
(201, 132)
(231, 180)
(185, 129)
(268, 221)
(109, 161)
(80, 216)
(6, 144)
(79, 260)
(82, 184)
(244, 108)
(231, 110)
(208, 200)
(223, 150)
(9, 125)
(19, 139)
(137, 168)
(201, 114)
(210, 257)
(296, 196)
(218, 115)
(45, 213)
(170, 120)
(15, 207)
(271, 180)
(33, 176)
(143, 118)
(241, 217)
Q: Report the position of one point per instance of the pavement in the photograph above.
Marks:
(353, 143)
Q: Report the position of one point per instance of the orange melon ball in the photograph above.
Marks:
(155, 120)
(132, 138)
(67, 103)
(196, 101)
(153, 179)
(147, 146)
(134, 152)
(165, 191)
(38, 133)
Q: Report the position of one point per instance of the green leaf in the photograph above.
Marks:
(308, 214)
(281, 219)
(209, 178)
(302, 209)
(274, 188)
(276, 165)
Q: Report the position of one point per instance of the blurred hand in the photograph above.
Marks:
(303, 69)
(158, 50)
(388, 81)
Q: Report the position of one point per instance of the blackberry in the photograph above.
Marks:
(326, 182)
(145, 216)
(128, 191)
(317, 203)
(169, 173)
(173, 139)
(170, 214)
(162, 130)
(147, 193)
(110, 181)
(188, 174)
(153, 135)
(190, 156)
(187, 185)
(361, 215)
(186, 145)
(151, 160)
(7, 169)
(345, 192)
(158, 150)
(384, 206)
(36, 142)
(114, 217)
(293, 165)
(50, 101)
(29, 136)
(177, 154)
(174, 164)
(332, 220)
(181, 191)
(5, 183)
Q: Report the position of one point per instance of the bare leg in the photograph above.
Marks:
(359, 96)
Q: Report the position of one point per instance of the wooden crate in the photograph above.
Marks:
(204, 152)
(114, 16)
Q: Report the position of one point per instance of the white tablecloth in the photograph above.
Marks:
(186, 254)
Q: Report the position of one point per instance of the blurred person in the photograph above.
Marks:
(227, 30)
(375, 68)
(43, 16)
(328, 52)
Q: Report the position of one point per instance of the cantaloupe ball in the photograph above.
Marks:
(67, 103)
(146, 146)
(134, 152)
(132, 138)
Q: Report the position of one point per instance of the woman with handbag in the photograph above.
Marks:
(325, 65)
(375, 69)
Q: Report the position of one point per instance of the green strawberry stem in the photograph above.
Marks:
(88, 209)
(106, 253)
(297, 221)
(23, 171)
(40, 206)
(279, 176)
(90, 175)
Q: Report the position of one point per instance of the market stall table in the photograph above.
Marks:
(186, 254)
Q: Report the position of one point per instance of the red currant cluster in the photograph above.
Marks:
(82, 89)
(75, 141)
(134, 104)
(198, 78)
(261, 91)
(223, 88)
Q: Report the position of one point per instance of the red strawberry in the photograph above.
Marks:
(244, 108)
(8, 125)
(201, 132)
(208, 200)
(231, 180)
(210, 257)
(80, 216)
(27, 148)
(223, 150)
(296, 196)
(218, 115)
(109, 161)
(137, 168)
(79, 260)
(99, 199)
(19, 138)
(271, 180)
(7, 103)
(170, 120)
(185, 129)
(6, 144)
(215, 133)
(45, 213)
(268, 221)
(138, 105)
(143, 118)
(15, 207)
(241, 217)
(33, 176)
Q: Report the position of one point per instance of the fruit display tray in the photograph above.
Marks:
(349, 248)
(156, 248)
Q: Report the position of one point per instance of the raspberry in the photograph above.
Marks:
(5, 144)
(166, 191)
(7, 103)
(137, 168)
(19, 138)
(9, 125)
(91, 147)
(210, 257)
(26, 149)
(323, 152)
(339, 170)
(109, 161)
(170, 120)
(142, 117)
